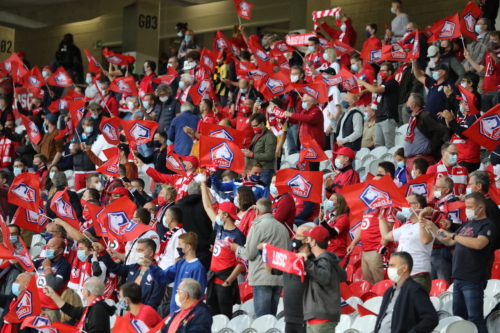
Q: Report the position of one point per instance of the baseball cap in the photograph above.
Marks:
(119, 190)
(318, 233)
(440, 66)
(47, 67)
(230, 208)
(191, 159)
(432, 51)
(346, 152)
(52, 118)
(329, 70)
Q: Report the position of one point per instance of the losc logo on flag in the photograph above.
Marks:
(222, 134)
(311, 154)
(332, 81)
(110, 131)
(222, 155)
(119, 223)
(114, 60)
(112, 169)
(124, 86)
(349, 84)
(490, 127)
(208, 62)
(8, 66)
(33, 80)
(41, 321)
(397, 52)
(63, 104)
(204, 87)
(33, 217)
(262, 55)
(33, 129)
(139, 325)
(172, 162)
(79, 113)
(61, 79)
(311, 92)
(24, 258)
(454, 216)
(64, 209)
(374, 198)
(470, 22)
(140, 133)
(354, 229)
(282, 47)
(448, 29)
(220, 44)
(276, 86)
(300, 186)
(25, 193)
(420, 188)
(257, 74)
(244, 8)
(375, 55)
(25, 306)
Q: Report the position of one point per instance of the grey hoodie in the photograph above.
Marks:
(322, 292)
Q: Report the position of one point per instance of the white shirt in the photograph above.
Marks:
(91, 92)
(331, 107)
(99, 145)
(408, 236)
(131, 246)
(170, 253)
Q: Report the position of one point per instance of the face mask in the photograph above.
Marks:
(145, 104)
(98, 187)
(84, 136)
(177, 300)
(345, 104)
(343, 27)
(182, 85)
(244, 90)
(408, 31)
(105, 92)
(273, 189)
(393, 11)
(295, 78)
(437, 194)
(156, 144)
(143, 71)
(45, 74)
(18, 171)
(236, 202)
(401, 165)
(471, 216)
(366, 117)
(269, 109)
(15, 289)
(89, 130)
(139, 256)
(406, 212)
(165, 222)
(254, 178)
(452, 160)
(52, 174)
(338, 164)
(48, 236)
(326, 57)
(130, 105)
(413, 174)
(13, 239)
(477, 29)
(295, 244)
(264, 42)
(219, 221)
(468, 190)
(257, 130)
(355, 67)
(493, 45)
(368, 34)
(88, 79)
(435, 76)
(86, 215)
(94, 116)
(180, 34)
(462, 109)
(392, 272)
(122, 305)
(180, 250)
(442, 50)
(35, 167)
(82, 256)
(45, 129)
(305, 106)
(164, 99)
(311, 49)
(187, 38)
(329, 206)
(50, 254)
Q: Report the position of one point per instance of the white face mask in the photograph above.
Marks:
(437, 194)
(139, 256)
(130, 105)
(338, 164)
(392, 272)
(98, 187)
(177, 300)
(471, 215)
(413, 175)
(294, 78)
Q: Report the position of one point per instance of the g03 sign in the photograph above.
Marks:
(148, 21)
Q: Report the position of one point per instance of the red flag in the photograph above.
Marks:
(18, 72)
(110, 128)
(222, 132)
(201, 90)
(316, 90)
(27, 304)
(61, 103)
(394, 52)
(93, 66)
(415, 51)
(421, 185)
(447, 28)
(349, 82)
(24, 191)
(117, 59)
(340, 47)
(125, 325)
(60, 78)
(427, 32)
(208, 59)
(274, 85)
(455, 212)
(470, 101)
(263, 60)
(468, 19)
(32, 130)
(34, 78)
(243, 9)
(281, 47)
(371, 53)
(111, 167)
(77, 111)
(124, 85)
(345, 295)
(174, 163)
(283, 260)
(311, 151)
(139, 131)
(6, 235)
(305, 185)
(111, 152)
(23, 257)
(253, 74)
(220, 42)
(373, 194)
(30, 220)
(406, 37)
(95, 212)
(12, 59)
(42, 324)
(61, 205)
(225, 154)
(486, 130)
(167, 78)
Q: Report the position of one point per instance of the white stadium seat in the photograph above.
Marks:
(447, 306)
(445, 322)
(488, 305)
(219, 322)
(373, 167)
(373, 304)
(445, 296)
(365, 324)
(248, 308)
(394, 149)
(281, 308)
(279, 327)
(344, 324)
(462, 326)
(493, 323)
(378, 152)
(436, 302)
(237, 324)
(262, 324)
(388, 157)
(492, 288)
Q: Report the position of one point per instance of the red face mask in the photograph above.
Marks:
(83, 201)
(245, 109)
(161, 200)
(86, 215)
(257, 130)
(383, 76)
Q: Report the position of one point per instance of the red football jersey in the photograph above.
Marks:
(370, 229)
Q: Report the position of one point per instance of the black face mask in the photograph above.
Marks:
(180, 250)
(156, 144)
(295, 245)
(442, 50)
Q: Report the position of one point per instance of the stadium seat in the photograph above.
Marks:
(461, 326)
(355, 255)
(112, 321)
(361, 171)
(262, 324)
(368, 295)
(37, 244)
(354, 301)
(445, 322)
(378, 152)
(236, 307)
(358, 275)
(447, 306)
(388, 157)
(360, 287)
(219, 322)
(246, 291)
(279, 327)
(237, 324)
(436, 302)
(493, 322)
(394, 149)
(445, 296)
(380, 287)
(438, 287)
(495, 270)
(281, 309)
(373, 304)
(443, 314)
(488, 305)
(344, 324)
(492, 288)
(497, 255)
(349, 270)
(362, 152)
(373, 166)
(248, 308)
(365, 324)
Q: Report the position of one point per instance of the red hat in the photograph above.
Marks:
(230, 208)
(191, 159)
(21, 54)
(346, 152)
(119, 190)
(47, 67)
(318, 233)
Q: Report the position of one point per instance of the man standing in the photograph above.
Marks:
(477, 49)
(406, 307)
(181, 140)
(398, 24)
(147, 86)
(265, 229)
(349, 131)
(448, 166)
(322, 302)
(50, 147)
(447, 57)
(166, 109)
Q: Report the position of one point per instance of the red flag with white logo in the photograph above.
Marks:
(447, 28)
(61, 205)
(7, 64)
(77, 111)
(110, 167)
(128, 325)
(222, 132)
(263, 59)
(110, 128)
(316, 90)
(139, 131)
(470, 101)
(94, 212)
(394, 52)
(33, 78)
(283, 260)
(174, 162)
(167, 78)
(455, 212)
(201, 90)
(6, 235)
(23, 257)
(243, 9)
(486, 130)
(274, 85)
(43, 324)
(24, 191)
(27, 304)
(117, 59)
(371, 53)
(421, 185)
(415, 51)
(341, 48)
(311, 151)
(281, 47)
(59, 104)
(222, 153)
(348, 81)
(468, 19)
(124, 85)
(220, 43)
(94, 66)
(32, 130)
(18, 72)
(208, 59)
(305, 185)
(30, 220)
(60, 78)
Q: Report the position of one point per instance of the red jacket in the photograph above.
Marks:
(347, 176)
(284, 211)
(348, 37)
(310, 122)
(338, 244)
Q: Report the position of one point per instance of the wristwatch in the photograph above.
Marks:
(453, 236)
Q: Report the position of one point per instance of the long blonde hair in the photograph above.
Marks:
(332, 54)
(71, 297)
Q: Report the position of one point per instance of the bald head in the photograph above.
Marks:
(243, 84)
(301, 229)
(225, 122)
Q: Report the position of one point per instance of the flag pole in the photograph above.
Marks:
(463, 43)
(239, 19)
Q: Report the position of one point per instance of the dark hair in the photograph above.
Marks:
(195, 55)
(245, 55)
(258, 117)
(94, 202)
(300, 69)
(15, 226)
(421, 164)
(149, 243)
(181, 26)
(422, 201)
(400, 152)
(4, 174)
(144, 215)
(94, 194)
(163, 135)
(314, 39)
(483, 178)
(125, 148)
(246, 197)
(140, 181)
(42, 158)
(151, 64)
(176, 213)
(356, 57)
(278, 102)
(229, 173)
(122, 170)
(405, 258)
(390, 66)
(373, 26)
(472, 78)
(388, 168)
(22, 160)
(322, 245)
(478, 198)
(208, 102)
(400, 4)
(132, 291)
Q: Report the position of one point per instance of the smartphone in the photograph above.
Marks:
(441, 235)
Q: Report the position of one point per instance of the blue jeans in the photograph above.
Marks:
(441, 266)
(266, 175)
(292, 137)
(468, 299)
(265, 300)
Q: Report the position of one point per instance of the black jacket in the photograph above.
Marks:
(413, 311)
(158, 158)
(198, 320)
(409, 84)
(97, 318)
(493, 213)
(74, 201)
(195, 219)
(81, 159)
(433, 131)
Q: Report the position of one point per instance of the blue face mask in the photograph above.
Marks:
(343, 27)
(88, 79)
(145, 104)
(329, 206)
(393, 11)
(48, 236)
(236, 203)
(406, 212)
(304, 105)
(254, 178)
(187, 38)
(182, 85)
(345, 104)
(408, 109)
(311, 49)
(244, 90)
(13, 239)
(94, 116)
(273, 189)
(122, 305)
(355, 67)
(84, 136)
(45, 129)
(18, 171)
(89, 130)
(408, 31)
(435, 75)
(52, 174)
(452, 160)
(15, 289)
(50, 254)
(366, 117)
(462, 109)
(477, 29)
(82, 256)
(367, 34)
(219, 221)
(401, 165)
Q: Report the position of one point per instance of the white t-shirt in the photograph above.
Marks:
(131, 259)
(170, 253)
(331, 107)
(408, 236)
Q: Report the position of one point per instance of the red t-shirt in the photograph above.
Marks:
(338, 245)
(208, 119)
(491, 73)
(370, 229)
(369, 77)
(147, 314)
(243, 124)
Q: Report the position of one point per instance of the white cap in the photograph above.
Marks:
(432, 51)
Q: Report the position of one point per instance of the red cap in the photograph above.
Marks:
(119, 190)
(47, 67)
(191, 159)
(318, 233)
(21, 54)
(230, 208)
(346, 152)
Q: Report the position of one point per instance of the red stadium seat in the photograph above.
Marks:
(246, 291)
(497, 256)
(438, 287)
(495, 271)
(358, 275)
(380, 287)
(366, 296)
(350, 272)
(359, 288)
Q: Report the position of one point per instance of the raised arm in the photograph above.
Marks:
(207, 203)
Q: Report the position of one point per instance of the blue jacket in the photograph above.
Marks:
(259, 190)
(182, 142)
(152, 291)
(175, 273)
(198, 320)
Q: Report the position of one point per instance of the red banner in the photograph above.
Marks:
(283, 260)
(222, 132)
(486, 130)
(201, 90)
(469, 100)
(27, 304)
(274, 85)
(25, 191)
(77, 111)
(299, 40)
(174, 163)
(23, 257)
(222, 153)
(455, 212)
(124, 85)
(447, 28)
(316, 90)
(394, 52)
(6, 235)
(42, 324)
(94, 211)
(18, 72)
(371, 53)
(311, 151)
(349, 81)
(208, 59)
(220, 43)
(468, 19)
(117, 59)
(61, 205)
(32, 130)
(305, 185)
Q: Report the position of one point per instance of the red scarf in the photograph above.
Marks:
(181, 185)
(146, 85)
(81, 324)
(166, 238)
(7, 327)
(410, 132)
(5, 152)
(37, 110)
(81, 271)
